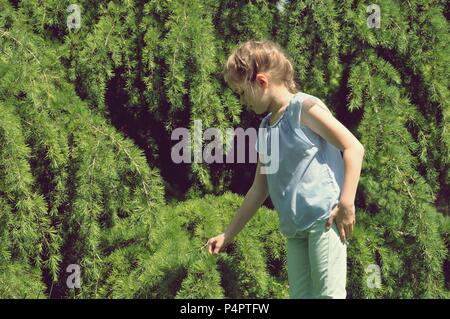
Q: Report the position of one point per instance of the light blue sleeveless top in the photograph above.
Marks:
(310, 175)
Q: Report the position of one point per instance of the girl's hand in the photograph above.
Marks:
(216, 244)
(345, 220)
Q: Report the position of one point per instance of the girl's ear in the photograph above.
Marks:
(262, 80)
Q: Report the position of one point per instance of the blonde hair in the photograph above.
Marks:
(252, 57)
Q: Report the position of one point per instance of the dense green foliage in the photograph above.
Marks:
(85, 123)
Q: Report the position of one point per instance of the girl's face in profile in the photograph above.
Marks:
(250, 97)
(241, 91)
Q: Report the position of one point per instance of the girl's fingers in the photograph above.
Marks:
(210, 247)
(213, 246)
(342, 232)
(348, 231)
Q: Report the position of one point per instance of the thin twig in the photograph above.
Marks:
(4, 33)
(7, 34)
(109, 33)
(144, 184)
(195, 249)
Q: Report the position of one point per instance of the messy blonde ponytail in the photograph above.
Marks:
(253, 57)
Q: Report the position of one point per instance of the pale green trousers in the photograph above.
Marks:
(317, 263)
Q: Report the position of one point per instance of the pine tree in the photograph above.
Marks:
(86, 117)
(67, 176)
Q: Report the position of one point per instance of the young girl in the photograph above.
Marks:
(313, 190)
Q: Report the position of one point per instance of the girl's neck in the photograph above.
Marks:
(280, 101)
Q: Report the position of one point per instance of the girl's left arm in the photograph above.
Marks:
(327, 126)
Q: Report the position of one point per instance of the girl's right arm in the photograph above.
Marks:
(254, 198)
